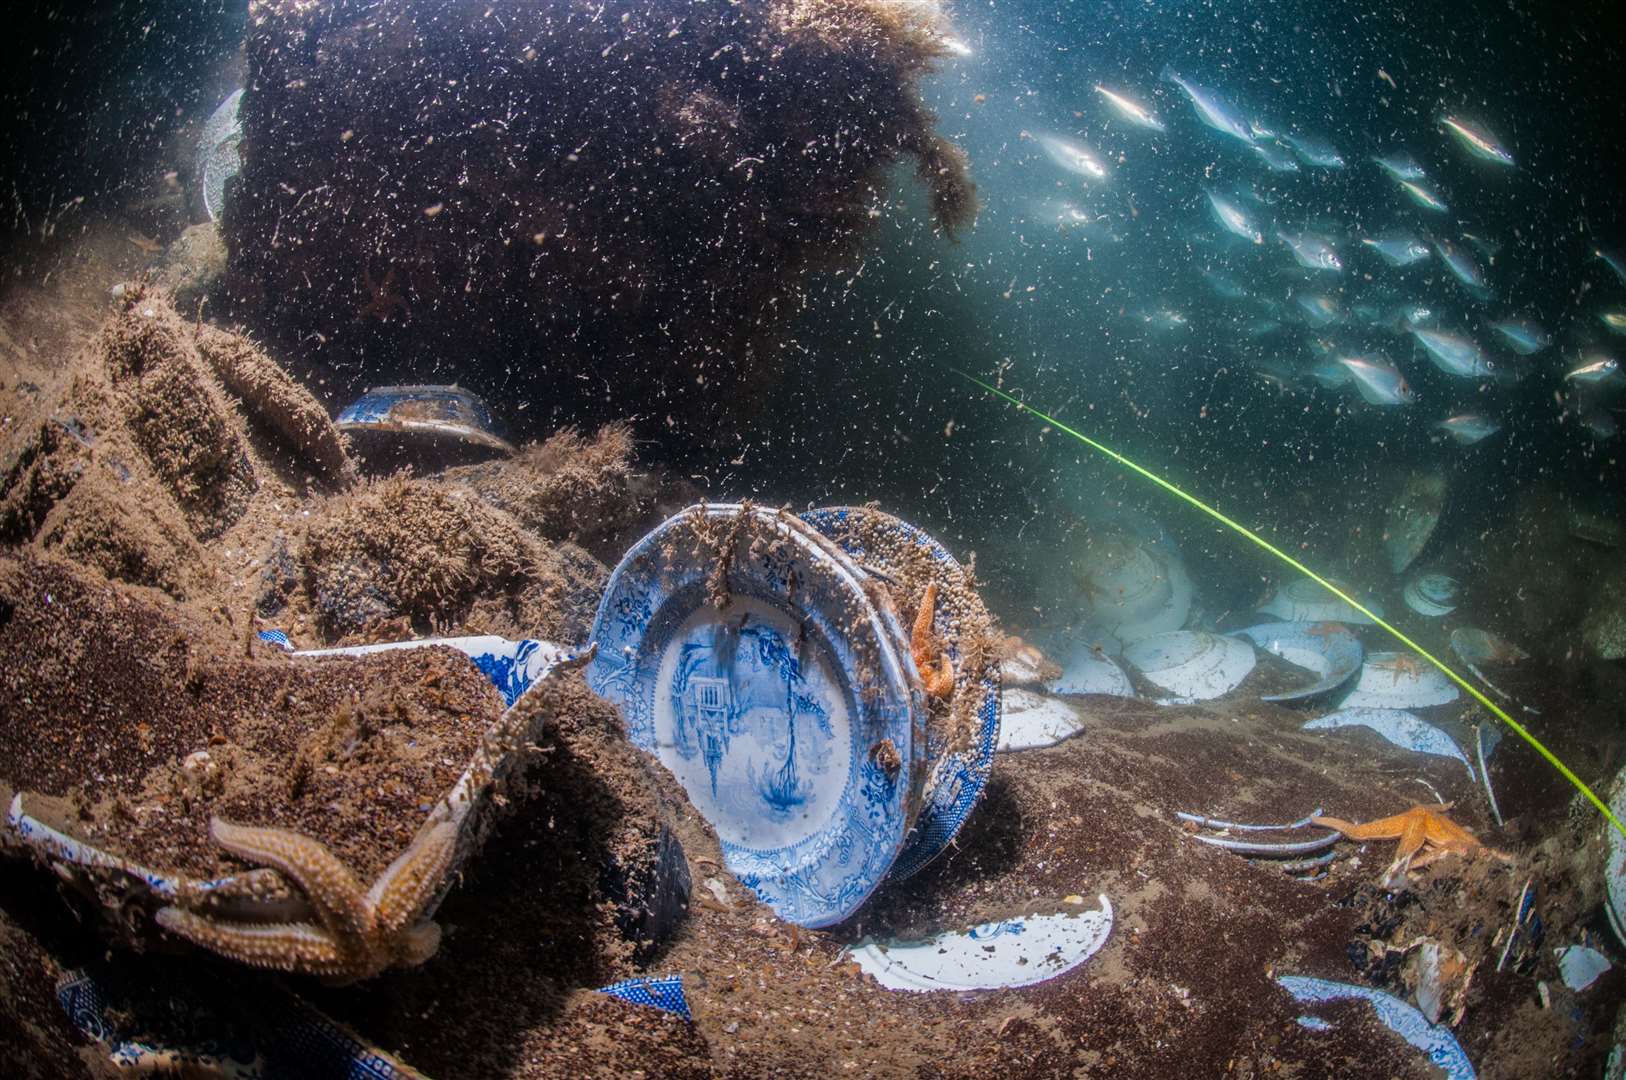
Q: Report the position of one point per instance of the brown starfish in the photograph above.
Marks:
(1422, 828)
(1402, 664)
(936, 671)
(357, 933)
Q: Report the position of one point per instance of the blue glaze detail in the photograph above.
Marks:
(1405, 1020)
(665, 993)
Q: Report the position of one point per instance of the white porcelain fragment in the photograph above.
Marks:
(1089, 671)
(1399, 727)
(1014, 952)
(1580, 966)
(1302, 600)
(1031, 720)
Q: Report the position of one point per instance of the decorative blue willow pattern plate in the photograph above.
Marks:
(879, 542)
(786, 714)
(512, 666)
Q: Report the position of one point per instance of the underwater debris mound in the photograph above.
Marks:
(147, 454)
(630, 194)
(432, 553)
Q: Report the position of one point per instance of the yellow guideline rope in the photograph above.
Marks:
(1324, 583)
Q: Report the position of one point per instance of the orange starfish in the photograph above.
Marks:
(1326, 629)
(1402, 664)
(936, 674)
(1422, 828)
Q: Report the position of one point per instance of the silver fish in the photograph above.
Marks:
(1331, 374)
(1600, 424)
(1478, 139)
(1379, 381)
(1454, 354)
(1397, 249)
(1616, 263)
(1164, 318)
(1233, 218)
(1212, 109)
(1319, 310)
(1130, 110)
(1461, 265)
(1312, 251)
(1224, 287)
(1523, 336)
(1073, 157)
(1313, 151)
(1614, 320)
(1276, 159)
(1469, 428)
(1400, 165)
(1597, 369)
(1424, 197)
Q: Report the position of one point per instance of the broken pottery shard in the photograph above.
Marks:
(1442, 1048)
(1032, 720)
(1399, 727)
(1015, 952)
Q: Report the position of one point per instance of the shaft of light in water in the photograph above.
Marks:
(1496, 711)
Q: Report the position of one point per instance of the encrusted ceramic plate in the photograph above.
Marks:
(1615, 871)
(957, 762)
(1432, 595)
(1399, 680)
(1193, 665)
(512, 666)
(447, 421)
(744, 653)
(1326, 648)
(1015, 952)
(219, 155)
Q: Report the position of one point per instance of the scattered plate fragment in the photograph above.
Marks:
(1130, 588)
(1303, 600)
(1580, 966)
(1399, 680)
(512, 666)
(1438, 1043)
(1194, 665)
(1326, 648)
(1286, 855)
(1015, 952)
(1033, 720)
(1090, 671)
(664, 993)
(1399, 727)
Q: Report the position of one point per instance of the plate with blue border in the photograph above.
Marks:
(960, 751)
(745, 655)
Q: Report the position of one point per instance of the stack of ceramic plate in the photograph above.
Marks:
(219, 155)
(1432, 595)
(769, 670)
(1129, 588)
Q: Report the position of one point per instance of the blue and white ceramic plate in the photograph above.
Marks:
(1399, 727)
(787, 713)
(447, 418)
(888, 549)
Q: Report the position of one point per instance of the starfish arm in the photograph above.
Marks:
(1411, 841)
(327, 883)
(405, 887)
(1349, 828)
(293, 947)
(936, 674)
